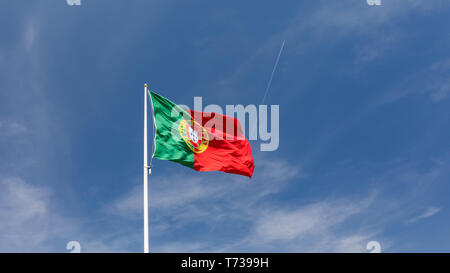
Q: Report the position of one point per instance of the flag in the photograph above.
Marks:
(200, 140)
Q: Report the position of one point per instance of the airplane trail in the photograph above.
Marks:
(273, 72)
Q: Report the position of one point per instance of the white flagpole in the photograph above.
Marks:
(146, 173)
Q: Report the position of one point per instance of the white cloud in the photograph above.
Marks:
(330, 23)
(22, 207)
(313, 219)
(30, 133)
(29, 222)
(29, 36)
(32, 221)
(317, 227)
(11, 128)
(442, 92)
(431, 81)
(175, 247)
(438, 77)
(171, 192)
(345, 224)
(428, 213)
(177, 202)
(206, 198)
(351, 244)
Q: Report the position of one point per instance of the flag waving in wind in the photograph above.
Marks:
(199, 140)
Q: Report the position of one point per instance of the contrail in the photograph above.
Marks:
(273, 72)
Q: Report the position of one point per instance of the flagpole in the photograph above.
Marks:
(146, 173)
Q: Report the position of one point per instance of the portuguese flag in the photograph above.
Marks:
(199, 140)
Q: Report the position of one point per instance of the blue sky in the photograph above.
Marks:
(364, 95)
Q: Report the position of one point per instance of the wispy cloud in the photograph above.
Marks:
(32, 221)
(331, 23)
(316, 227)
(29, 220)
(315, 219)
(431, 81)
(11, 128)
(29, 36)
(213, 203)
(207, 199)
(428, 213)
(177, 202)
(22, 210)
(242, 211)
